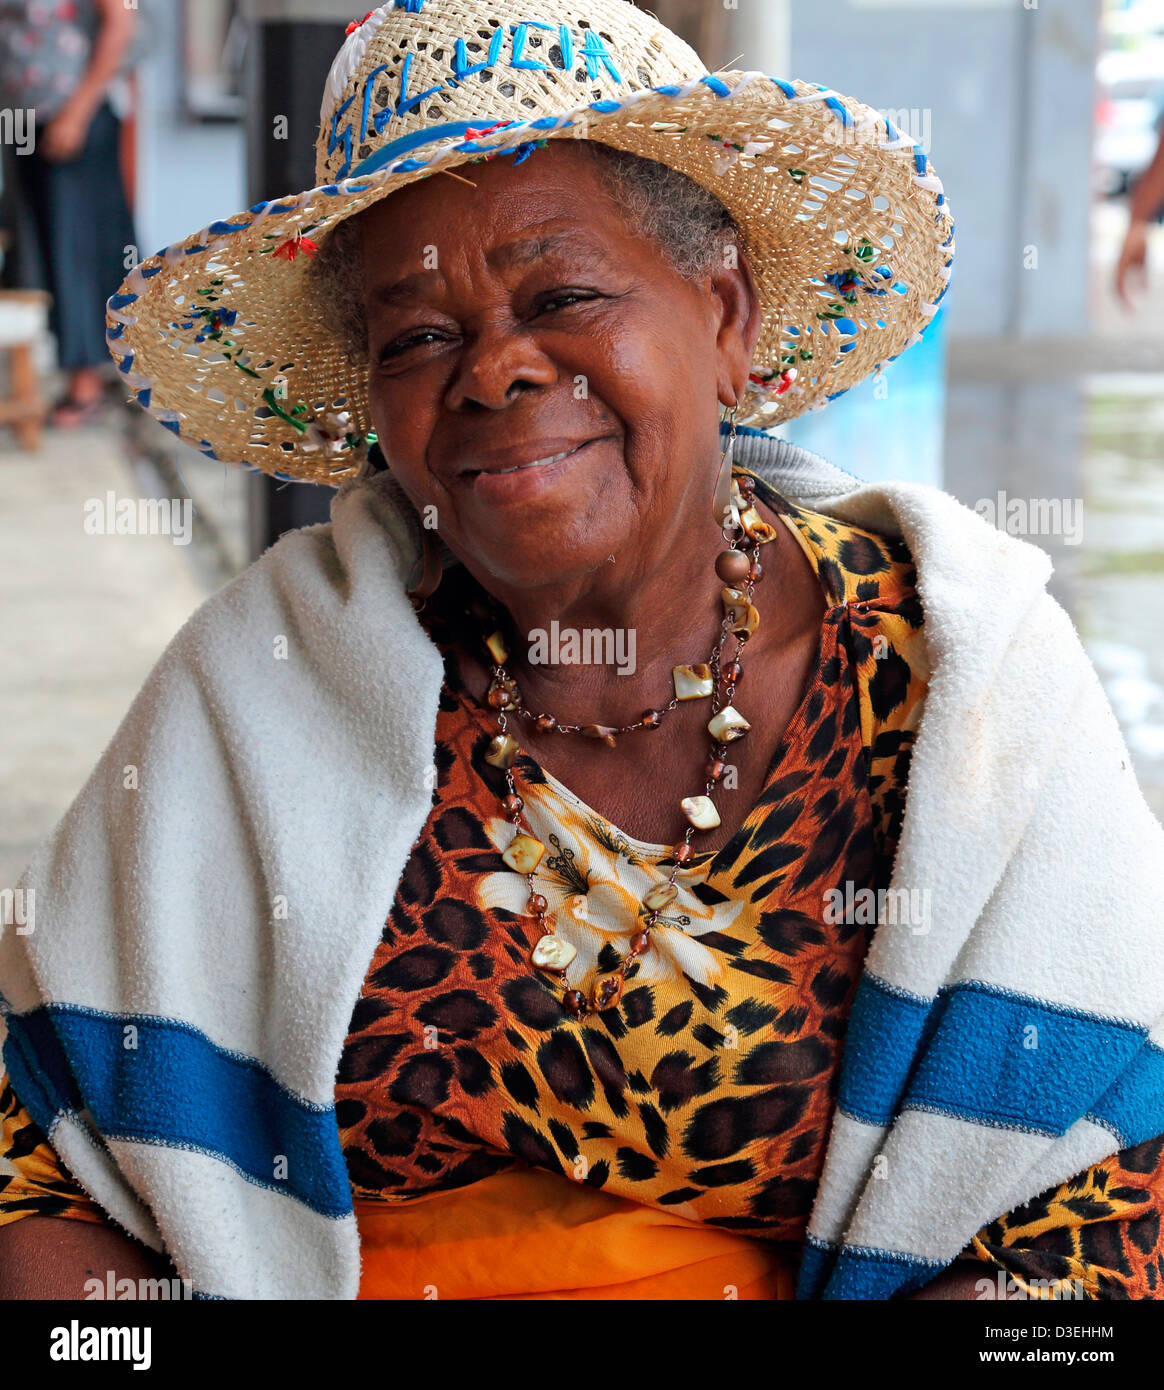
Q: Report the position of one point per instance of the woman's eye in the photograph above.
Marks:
(401, 345)
(561, 299)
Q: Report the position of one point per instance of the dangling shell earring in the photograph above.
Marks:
(722, 500)
(431, 567)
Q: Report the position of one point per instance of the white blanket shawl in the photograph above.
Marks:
(204, 914)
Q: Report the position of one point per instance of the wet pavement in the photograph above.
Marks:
(1120, 605)
(1087, 453)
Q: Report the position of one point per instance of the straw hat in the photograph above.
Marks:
(841, 217)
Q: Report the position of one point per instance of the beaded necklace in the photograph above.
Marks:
(744, 531)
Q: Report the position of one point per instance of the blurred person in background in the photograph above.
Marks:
(65, 61)
(1145, 203)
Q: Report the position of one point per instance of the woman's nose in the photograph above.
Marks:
(494, 366)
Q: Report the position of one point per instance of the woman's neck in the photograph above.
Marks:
(602, 647)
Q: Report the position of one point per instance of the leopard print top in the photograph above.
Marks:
(709, 1089)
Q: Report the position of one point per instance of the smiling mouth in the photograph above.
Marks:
(521, 467)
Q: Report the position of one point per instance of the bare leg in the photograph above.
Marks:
(52, 1257)
(85, 392)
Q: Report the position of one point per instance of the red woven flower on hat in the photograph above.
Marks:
(472, 133)
(289, 249)
(355, 24)
(775, 382)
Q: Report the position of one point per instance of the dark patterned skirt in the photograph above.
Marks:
(71, 227)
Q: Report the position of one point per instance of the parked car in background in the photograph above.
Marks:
(1128, 115)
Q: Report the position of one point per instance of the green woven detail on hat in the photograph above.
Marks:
(843, 220)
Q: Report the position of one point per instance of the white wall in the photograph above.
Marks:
(188, 174)
(1009, 92)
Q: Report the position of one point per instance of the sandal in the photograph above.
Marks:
(70, 414)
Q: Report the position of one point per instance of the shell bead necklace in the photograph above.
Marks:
(739, 569)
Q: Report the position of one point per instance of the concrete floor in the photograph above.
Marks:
(85, 618)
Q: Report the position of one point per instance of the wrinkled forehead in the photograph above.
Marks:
(553, 205)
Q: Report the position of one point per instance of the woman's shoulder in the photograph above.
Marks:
(870, 582)
(854, 564)
(318, 597)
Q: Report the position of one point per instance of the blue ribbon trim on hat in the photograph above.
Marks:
(429, 135)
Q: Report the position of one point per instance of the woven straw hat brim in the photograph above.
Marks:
(842, 219)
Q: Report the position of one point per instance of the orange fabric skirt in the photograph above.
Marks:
(533, 1234)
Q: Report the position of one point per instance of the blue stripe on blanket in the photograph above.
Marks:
(816, 1262)
(858, 1272)
(995, 1057)
(176, 1088)
(884, 1033)
(1131, 1108)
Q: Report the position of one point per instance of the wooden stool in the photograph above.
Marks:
(23, 319)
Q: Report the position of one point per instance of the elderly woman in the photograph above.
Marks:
(618, 857)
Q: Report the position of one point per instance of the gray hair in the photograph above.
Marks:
(690, 226)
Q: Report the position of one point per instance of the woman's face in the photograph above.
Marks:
(522, 319)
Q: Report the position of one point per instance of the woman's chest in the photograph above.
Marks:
(639, 785)
(708, 1088)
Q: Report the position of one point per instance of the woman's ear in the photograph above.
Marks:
(732, 282)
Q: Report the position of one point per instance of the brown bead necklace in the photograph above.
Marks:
(739, 568)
